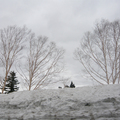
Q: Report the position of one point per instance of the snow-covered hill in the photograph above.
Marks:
(83, 103)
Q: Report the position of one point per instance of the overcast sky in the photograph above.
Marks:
(62, 21)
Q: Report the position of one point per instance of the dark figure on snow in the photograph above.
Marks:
(72, 85)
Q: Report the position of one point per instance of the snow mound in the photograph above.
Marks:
(96, 102)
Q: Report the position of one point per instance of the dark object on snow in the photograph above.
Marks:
(87, 104)
(6, 92)
(66, 86)
(60, 87)
(11, 83)
(72, 85)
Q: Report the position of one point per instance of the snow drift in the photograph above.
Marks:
(96, 102)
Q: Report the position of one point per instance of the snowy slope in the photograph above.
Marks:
(96, 102)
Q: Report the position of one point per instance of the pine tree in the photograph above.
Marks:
(72, 85)
(11, 83)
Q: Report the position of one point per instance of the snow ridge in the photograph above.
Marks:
(96, 102)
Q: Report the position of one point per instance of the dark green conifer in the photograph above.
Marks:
(11, 83)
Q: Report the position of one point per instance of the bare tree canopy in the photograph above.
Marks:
(99, 52)
(11, 44)
(43, 62)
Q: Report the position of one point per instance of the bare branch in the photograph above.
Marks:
(11, 44)
(99, 52)
(43, 62)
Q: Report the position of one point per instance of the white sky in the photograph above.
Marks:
(62, 21)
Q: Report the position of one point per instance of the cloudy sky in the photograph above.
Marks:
(62, 21)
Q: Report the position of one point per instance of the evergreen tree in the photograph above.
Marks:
(11, 83)
(72, 85)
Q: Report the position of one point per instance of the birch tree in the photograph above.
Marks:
(43, 62)
(99, 52)
(11, 44)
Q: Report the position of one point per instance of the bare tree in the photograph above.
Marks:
(11, 39)
(43, 63)
(99, 52)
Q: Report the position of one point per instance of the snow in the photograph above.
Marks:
(91, 102)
